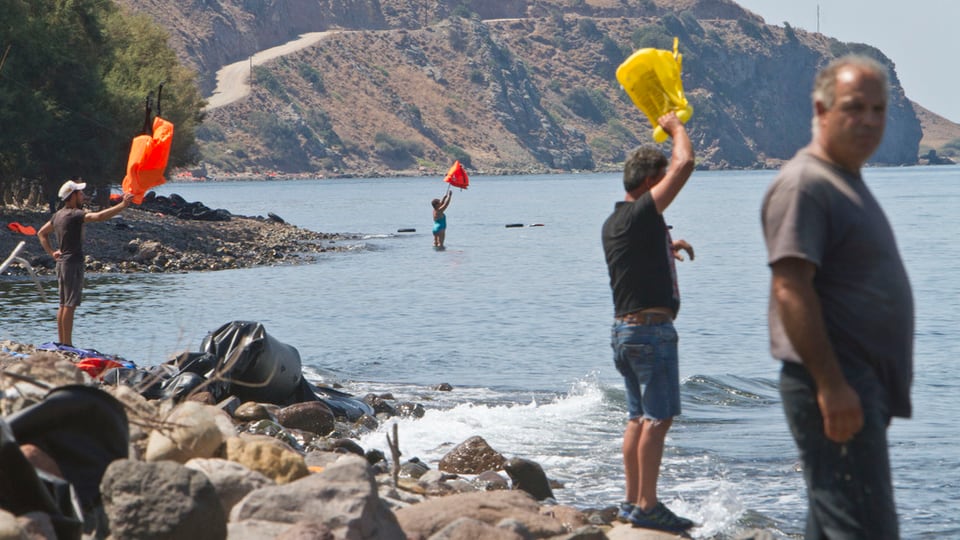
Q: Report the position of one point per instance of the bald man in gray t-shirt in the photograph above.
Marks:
(841, 309)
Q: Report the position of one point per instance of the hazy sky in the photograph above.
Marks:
(922, 37)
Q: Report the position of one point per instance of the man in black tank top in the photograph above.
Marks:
(640, 256)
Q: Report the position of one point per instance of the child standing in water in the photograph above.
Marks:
(439, 219)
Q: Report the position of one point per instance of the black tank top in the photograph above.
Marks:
(637, 245)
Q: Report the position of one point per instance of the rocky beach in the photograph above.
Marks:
(196, 466)
(202, 463)
(197, 459)
(248, 470)
(169, 234)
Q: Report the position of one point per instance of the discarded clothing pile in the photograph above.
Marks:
(238, 359)
(91, 361)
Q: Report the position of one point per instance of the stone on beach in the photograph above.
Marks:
(178, 502)
(232, 480)
(313, 416)
(490, 481)
(251, 410)
(623, 531)
(191, 431)
(10, 527)
(476, 530)
(472, 456)
(344, 496)
(528, 476)
(267, 456)
(251, 486)
(140, 240)
(429, 517)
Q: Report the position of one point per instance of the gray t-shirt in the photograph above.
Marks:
(825, 215)
(68, 226)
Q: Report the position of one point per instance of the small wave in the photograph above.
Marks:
(361, 246)
(730, 390)
(576, 437)
(533, 426)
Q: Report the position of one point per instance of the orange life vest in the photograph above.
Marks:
(148, 160)
(456, 176)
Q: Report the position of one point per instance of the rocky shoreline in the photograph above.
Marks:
(150, 238)
(200, 469)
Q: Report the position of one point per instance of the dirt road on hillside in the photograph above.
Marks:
(233, 81)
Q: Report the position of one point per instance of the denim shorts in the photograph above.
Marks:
(849, 489)
(646, 356)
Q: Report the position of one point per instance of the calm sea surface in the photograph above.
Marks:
(517, 320)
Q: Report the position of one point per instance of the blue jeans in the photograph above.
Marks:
(849, 490)
(646, 356)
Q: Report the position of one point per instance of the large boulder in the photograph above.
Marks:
(267, 456)
(313, 416)
(472, 456)
(624, 531)
(190, 431)
(343, 498)
(431, 516)
(473, 529)
(231, 480)
(528, 476)
(177, 502)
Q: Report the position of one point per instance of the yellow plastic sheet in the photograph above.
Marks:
(651, 77)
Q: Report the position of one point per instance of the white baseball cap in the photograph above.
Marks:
(69, 187)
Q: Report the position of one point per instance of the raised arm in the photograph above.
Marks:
(681, 163)
(445, 201)
(108, 213)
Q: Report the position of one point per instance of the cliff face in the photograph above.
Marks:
(510, 86)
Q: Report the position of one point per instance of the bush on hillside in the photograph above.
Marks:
(395, 151)
(589, 104)
(458, 154)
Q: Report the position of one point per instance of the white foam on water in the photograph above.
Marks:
(552, 432)
(576, 437)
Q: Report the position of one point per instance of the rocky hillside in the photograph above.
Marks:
(940, 136)
(406, 86)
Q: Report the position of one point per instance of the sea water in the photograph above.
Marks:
(517, 320)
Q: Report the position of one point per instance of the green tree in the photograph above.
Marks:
(54, 95)
(72, 90)
(141, 61)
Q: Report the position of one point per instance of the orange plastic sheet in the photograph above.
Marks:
(148, 160)
(456, 176)
(651, 77)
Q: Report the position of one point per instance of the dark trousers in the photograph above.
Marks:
(849, 491)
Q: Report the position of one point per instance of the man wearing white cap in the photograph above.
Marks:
(67, 223)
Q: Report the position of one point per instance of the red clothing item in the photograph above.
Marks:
(22, 229)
